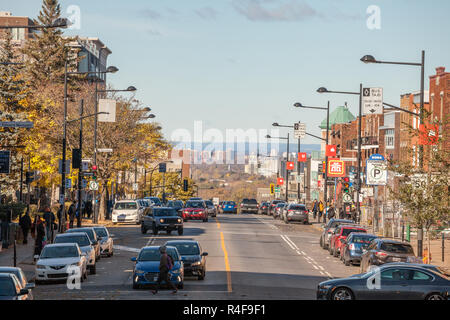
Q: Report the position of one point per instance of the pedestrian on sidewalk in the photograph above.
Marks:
(72, 212)
(25, 225)
(320, 210)
(426, 259)
(40, 236)
(165, 264)
(88, 208)
(330, 212)
(314, 208)
(49, 218)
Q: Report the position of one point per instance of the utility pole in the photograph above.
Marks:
(80, 175)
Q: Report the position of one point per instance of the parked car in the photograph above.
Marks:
(106, 241)
(156, 202)
(382, 251)
(12, 289)
(146, 268)
(192, 255)
(144, 203)
(249, 205)
(278, 210)
(127, 211)
(21, 277)
(55, 259)
(92, 237)
(211, 208)
(272, 206)
(406, 282)
(195, 198)
(439, 269)
(86, 247)
(264, 208)
(177, 205)
(340, 233)
(161, 218)
(352, 247)
(328, 230)
(295, 213)
(195, 210)
(229, 207)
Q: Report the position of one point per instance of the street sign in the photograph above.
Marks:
(4, 161)
(16, 124)
(162, 167)
(67, 171)
(336, 168)
(367, 192)
(61, 199)
(84, 165)
(68, 183)
(299, 178)
(277, 190)
(372, 100)
(347, 198)
(83, 184)
(376, 172)
(109, 106)
(299, 130)
(136, 187)
(105, 150)
(93, 185)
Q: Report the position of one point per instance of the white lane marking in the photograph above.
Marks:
(290, 245)
(125, 248)
(292, 242)
(315, 267)
(328, 274)
(321, 268)
(150, 242)
(322, 273)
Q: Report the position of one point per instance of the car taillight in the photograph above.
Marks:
(380, 254)
(291, 210)
(351, 246)
(242, 205)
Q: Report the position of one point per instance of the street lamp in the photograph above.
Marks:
(371, 59)
(287, 159)
(299, 105)
(358, 188)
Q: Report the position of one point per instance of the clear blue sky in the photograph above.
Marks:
(243, 63)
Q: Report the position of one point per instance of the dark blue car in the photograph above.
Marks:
(146, 268)
(352, 249)
(229, 206)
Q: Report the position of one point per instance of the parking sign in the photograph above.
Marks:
(372, 100)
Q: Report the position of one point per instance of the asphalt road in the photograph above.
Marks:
(250, 257)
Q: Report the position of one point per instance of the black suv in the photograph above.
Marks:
(249, 205)
(161, 218)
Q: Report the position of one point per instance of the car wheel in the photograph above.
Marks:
(321, 242)
(143, 229)
(114, 223)
(169, 232)
(346, 262)
(435, 296)
(342, 294)
(184, 220)
(181, 285)
(155, 230)
(136, 286)
(93, 269)
(330, 251)
(180, 231)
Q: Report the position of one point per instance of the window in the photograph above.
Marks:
(395, 274)
(421, 276)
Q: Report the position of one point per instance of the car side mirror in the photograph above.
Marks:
(204, 254)
(23, 292)
(134, 259)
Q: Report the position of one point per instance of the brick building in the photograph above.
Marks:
(19, 35)
(440, 102)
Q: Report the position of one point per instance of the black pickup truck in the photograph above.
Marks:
(249, 205)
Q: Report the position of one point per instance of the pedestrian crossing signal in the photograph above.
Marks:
(272, 188)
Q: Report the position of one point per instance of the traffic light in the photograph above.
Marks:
(185, 185)
(272, 188)
(76, 158)
(346, 185)
(94, 172)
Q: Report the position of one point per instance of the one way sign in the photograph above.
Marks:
(372, 101)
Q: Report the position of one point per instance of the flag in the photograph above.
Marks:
(280, 181)
(290, 165)
(336, 168)
(330, 150)
(302, 157)
(428, 134)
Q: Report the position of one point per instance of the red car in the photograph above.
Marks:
(341, 232)
(195, 210)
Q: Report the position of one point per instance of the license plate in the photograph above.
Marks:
(155, 279)
(122, 216)
(396, 259)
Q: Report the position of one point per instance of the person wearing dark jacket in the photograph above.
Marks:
(49, 218)
(25, 225)
(165, 264)
(72, 212)
(40, 236)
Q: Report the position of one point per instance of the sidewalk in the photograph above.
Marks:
(24, 257)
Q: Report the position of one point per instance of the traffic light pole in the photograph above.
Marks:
(80, 176)
(62, 196)
(298, 172)
(325, 185)
(287, 171)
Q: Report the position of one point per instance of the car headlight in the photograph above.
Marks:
(138, 271)
(78, 264)
(179, 220)
(161, 220)
(196, 263)
(40, 266)
(325, 286)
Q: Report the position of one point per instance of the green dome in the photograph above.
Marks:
(339, 115)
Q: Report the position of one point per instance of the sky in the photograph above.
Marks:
(244, 63)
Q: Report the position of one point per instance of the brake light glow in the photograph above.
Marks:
(351, 246)
(380, 254)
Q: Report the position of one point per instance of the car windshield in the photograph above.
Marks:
(194, 204)
(89, 232)
(125, 206)
(15, 272)
(209, 203)
(101, 232)
(347, 231)
(156, 201)
(154, 255)
(176, 204)
(280, 205)
(396, 248)
(165, 212)
(7, 288)
(230, 203)
(59, 252)
(186, 249)
(362, 239)
(250, 201)
(81, 240)
(298, 207)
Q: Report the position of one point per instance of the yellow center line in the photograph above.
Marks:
(227, 263)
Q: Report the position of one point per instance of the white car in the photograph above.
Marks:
(127, 211)
(106, 242)
(82, 240)
(56, 259)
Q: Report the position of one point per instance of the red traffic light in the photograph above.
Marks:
(347, 179)
(94, 167)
